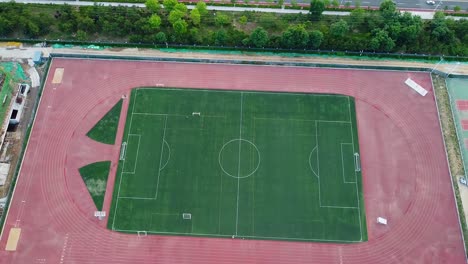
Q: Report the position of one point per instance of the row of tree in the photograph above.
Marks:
(385, 30)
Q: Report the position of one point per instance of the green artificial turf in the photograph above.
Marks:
(95, 177)
(106, 129)
(252, 165)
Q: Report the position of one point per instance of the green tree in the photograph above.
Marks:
(296, 37)
(339, 29)
(181, 7)
(153, 5)
(201, 6)
(154, 22)
(315, 39)
(81, 35)
(222, 20)
(85, 23)
(336, 3)
(316, 9)
(357, 17)
(259, 37)
(388, 10)
(31, 29)
(175, 15)
(180, 27)
(410, 28)
(381, 41)
(195, 16)
(220, 37)
(195, 35)
(457, 8)
(169, 4)
(439, 28)
(243, 20)
(160, 37)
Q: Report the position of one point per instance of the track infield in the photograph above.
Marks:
(239, 163)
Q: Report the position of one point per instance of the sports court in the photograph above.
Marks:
(244, 164)
(459, 104)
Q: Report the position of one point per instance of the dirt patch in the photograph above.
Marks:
(96, 186)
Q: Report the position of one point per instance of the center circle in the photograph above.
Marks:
(239, 158)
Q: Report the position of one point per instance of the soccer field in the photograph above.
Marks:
(247, 164)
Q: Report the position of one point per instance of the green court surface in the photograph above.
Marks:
(246, 164)
(458, 92)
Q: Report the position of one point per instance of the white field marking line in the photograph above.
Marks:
(169, 156)
(135, 198)
(174, 233)
(121, 174)
(342, 163)
(318, 162)
(240, 140)
(239, 162)
(221, 192)
(254, 237)
(161, 114)
(355, 177)
(160, 158)
(136, 158)
(318, 168)
(301, 120)
(253, 187)
(310, 164)
(246, 92)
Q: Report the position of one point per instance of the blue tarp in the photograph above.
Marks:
(37, 56)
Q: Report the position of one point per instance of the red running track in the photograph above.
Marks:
(405, 173)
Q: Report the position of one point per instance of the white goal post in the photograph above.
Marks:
(195, 113)
(357, 162)
(122, 151)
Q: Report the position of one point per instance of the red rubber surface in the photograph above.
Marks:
(462, 105)
(405, 173)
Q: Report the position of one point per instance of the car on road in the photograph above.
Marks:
(430, 2)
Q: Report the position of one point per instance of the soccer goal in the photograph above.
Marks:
(195, 113)
(357, 162)
(187, 216)
(142, 233)
(122, 151)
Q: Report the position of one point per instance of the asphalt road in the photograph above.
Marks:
(411, 5)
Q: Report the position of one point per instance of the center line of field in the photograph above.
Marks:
(239, 163)
(160, 158)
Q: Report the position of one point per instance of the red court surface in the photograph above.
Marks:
(405, 173)
(464, 124)
(462, 105)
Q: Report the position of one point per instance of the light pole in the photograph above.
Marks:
(437, 64)
(437, 6)
(453, 68)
